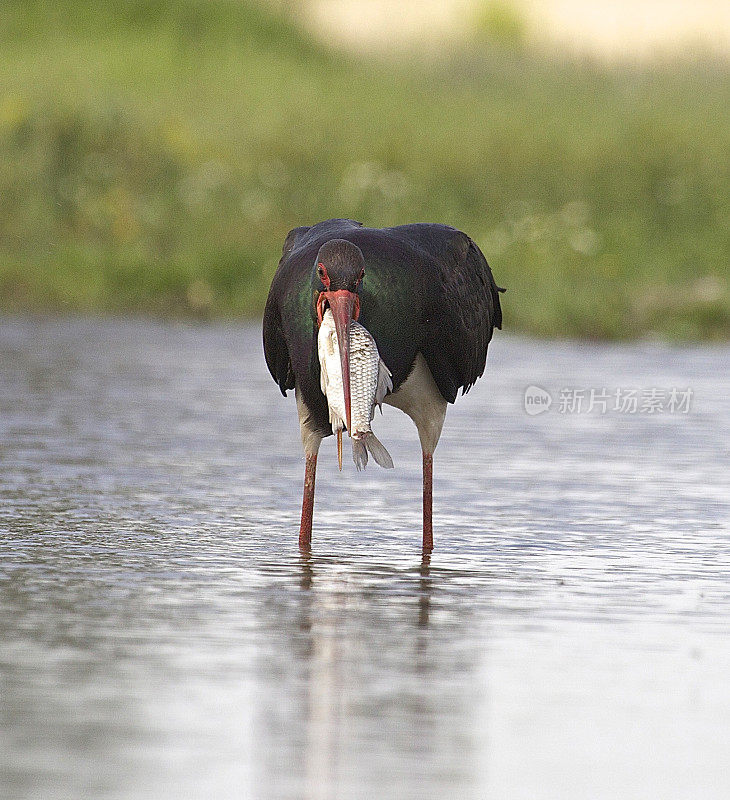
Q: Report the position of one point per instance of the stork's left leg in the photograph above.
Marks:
(305, 527)
(420, 398)
(427, 502)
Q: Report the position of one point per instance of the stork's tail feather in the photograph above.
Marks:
(377, 451)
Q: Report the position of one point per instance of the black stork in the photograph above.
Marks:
(426, 294)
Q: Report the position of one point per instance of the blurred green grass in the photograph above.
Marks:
(153, 155)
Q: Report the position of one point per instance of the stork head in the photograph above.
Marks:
(339, 270)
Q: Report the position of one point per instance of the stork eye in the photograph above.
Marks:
(320, 271)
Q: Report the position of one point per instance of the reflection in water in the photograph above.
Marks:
(424, 595)
(162, 637)
(371, 676)
(323, 715)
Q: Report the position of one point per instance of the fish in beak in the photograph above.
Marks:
(345, 306)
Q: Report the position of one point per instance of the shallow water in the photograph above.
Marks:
(161, 636)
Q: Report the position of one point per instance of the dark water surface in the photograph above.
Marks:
(162, 637)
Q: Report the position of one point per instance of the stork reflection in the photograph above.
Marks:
(358, 661)
(425, 589)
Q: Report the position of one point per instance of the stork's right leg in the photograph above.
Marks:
(311, 439)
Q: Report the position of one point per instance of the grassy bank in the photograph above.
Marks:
(154, 154)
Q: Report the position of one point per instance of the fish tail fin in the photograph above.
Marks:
(359, 454)
(377, 451)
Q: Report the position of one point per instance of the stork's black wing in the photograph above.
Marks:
(275, 348)
(464, 308)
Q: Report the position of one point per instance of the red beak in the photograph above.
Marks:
(344, 305)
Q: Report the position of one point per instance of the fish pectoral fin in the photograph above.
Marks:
(384, 385)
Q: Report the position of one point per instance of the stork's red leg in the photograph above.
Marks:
(427, 502)
(305, 529)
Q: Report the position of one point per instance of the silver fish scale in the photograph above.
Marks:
(364, 362)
